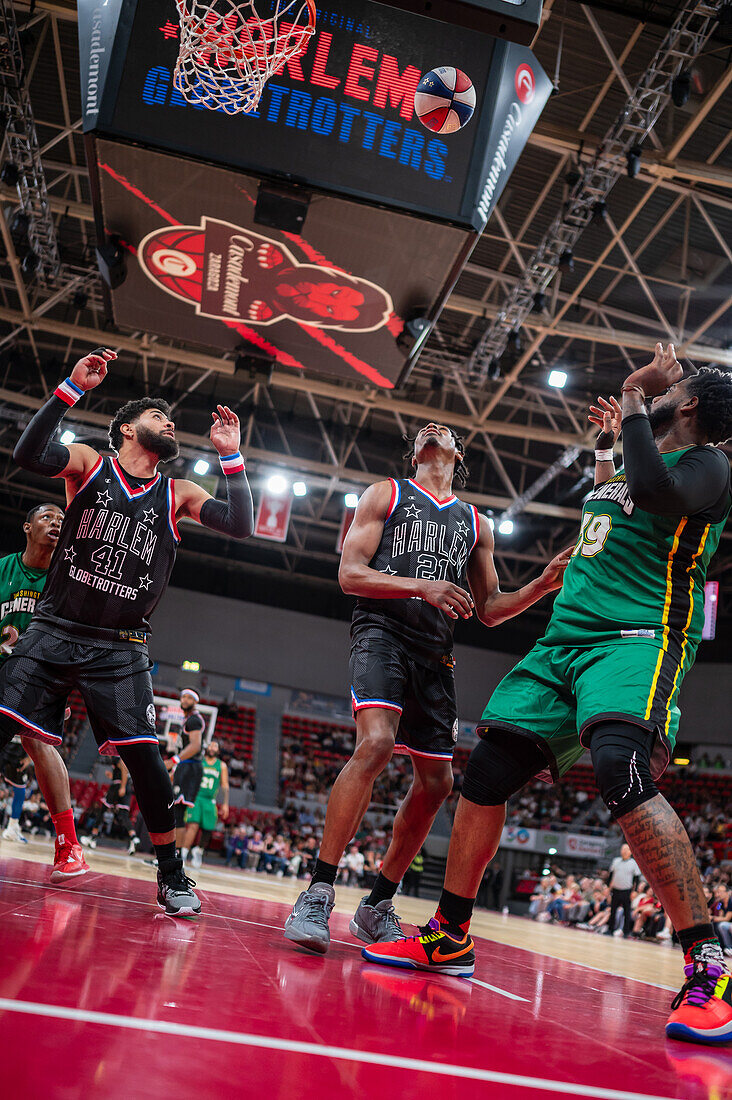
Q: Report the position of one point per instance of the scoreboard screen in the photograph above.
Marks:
(340, 118)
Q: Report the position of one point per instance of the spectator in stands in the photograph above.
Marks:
(353, 865)
(539, 900)
(236, 846)
(413, 875)
(720, 910)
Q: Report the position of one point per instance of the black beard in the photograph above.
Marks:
(660, 417)
(164, 446)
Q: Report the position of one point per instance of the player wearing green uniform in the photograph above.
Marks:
(204, 812)
(606, 676)
(22, 579)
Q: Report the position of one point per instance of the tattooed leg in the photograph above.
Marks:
(663, 852)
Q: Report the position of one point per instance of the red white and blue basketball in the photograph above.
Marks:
(445, 100)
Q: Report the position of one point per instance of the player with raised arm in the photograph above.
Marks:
(607, 673)
(112, 564)
(411, 553)
(22, 580)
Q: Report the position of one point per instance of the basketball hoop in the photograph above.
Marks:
(228, 51)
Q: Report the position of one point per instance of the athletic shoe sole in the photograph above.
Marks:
(412, 964)
(713, 1037)
(188, 911)
(360, 933)
(64, 876)
(311, 944)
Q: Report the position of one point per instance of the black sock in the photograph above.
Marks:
(167, 856)
(324, 872)
(382, 889)
(700, 942)
(454, 913)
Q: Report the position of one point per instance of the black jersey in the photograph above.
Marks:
(426, 538)
(192, 723)
(115, 552)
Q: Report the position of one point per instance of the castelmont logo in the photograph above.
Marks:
(230, 273)
(525, 83)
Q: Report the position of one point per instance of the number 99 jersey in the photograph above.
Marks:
(634, 574)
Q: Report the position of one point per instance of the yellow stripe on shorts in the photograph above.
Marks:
(666, 608)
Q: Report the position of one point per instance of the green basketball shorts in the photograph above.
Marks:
(556, 695)
(203, 812)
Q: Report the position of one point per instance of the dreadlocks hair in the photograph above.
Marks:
(129, 413)
(713, 390)
(460, 473)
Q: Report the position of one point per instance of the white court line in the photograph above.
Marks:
(497, 989)
(345, 1054)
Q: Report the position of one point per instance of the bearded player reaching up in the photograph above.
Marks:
(112, 563)
(606, 676)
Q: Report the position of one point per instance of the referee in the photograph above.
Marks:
(624, 872)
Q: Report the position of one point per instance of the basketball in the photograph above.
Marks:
(445, 100)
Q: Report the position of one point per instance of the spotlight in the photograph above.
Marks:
(9, 174)
(539, 302)
(573, 176)
(350, 500)
(201, 467)
(30, 263)
(505, 527)
(494, 370)
(557, 379)
(259, 367)
(724, 15)
(567, 259)
(300, 489)
(112, 263)
(599, 211)
(437, 381)
(277, 484)
(67, 437)
(19, 224)
(633, 158)
(80, 299)
(681, 88)
(514, 341)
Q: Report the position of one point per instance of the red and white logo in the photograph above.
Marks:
(525, 83)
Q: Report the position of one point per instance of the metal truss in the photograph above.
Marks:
(23, 149)
(645, 104)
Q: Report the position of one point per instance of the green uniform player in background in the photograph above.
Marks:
(204, 813)
(606, 675)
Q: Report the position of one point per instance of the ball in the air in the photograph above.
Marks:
(445, 100)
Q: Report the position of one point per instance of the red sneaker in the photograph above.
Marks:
(702, 1011)
(431, 950)
(68, 862)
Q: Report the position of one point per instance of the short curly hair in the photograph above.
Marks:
(129, 413)
(461, 472)
(713, 389)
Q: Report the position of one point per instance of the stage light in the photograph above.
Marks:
(201, 467)
(633, 158)
(350, 500)
(494, 370)
(9, 174)
(67, 437)
(191, 666)
(539, 302)
(599, 212)
(19, 224)
(557, 379)
(300, 489)
(514, 341)
(505, 527)
(277, 484)
(80, 299)
(567, 259)
(552, 851)
(681, 88)
(681, 761)
(30, 263)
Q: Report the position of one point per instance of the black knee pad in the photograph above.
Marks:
(499, 765)
(621, 758)
(153, 789)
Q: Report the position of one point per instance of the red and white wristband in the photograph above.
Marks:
(232, 464)
(68, 392)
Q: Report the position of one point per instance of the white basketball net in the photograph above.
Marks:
(228, 52)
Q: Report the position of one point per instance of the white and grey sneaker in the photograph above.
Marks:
(307, 924)
(12, 832)
(175, 891)
(196, 857)
(376, 923)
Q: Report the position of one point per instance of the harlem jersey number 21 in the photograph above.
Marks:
(593, 536)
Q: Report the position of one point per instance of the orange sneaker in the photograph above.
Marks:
(702, 1011)
(430, 950)
(68, 862)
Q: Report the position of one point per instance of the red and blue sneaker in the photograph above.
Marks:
(702, 1011)
(433, 949)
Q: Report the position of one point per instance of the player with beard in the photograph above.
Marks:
(186, 768)
(22, 580)
(411, 552)
(112, 564)
(607, 673)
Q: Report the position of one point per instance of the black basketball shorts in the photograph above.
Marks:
(385, 673)
(115, 684)
(186, 782)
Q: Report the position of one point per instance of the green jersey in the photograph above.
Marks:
(634, 575)
(20, 588)
(210, 781)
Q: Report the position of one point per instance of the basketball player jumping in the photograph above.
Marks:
(112, 564)
(606, 676)
(186, 768)
(409, 556)
(22, 580)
